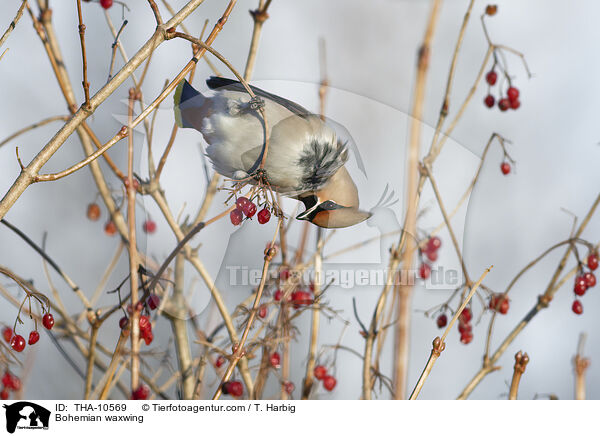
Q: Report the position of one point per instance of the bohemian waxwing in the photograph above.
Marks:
(305, 159)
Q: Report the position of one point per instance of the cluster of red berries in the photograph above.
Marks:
(17, 342)
(509, 101)
(499, 303)
(141, 393)
(93, 214)
(298, 298)
(430, 252)
(234, 388)
(464, 326)
(145, 325)
(329, 381)
(246, 207)
(10, 382)
(584, 281)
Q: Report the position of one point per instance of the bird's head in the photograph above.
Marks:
(335, 205)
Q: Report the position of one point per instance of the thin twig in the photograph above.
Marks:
(13, 23)
(239, 350)
(85, 83)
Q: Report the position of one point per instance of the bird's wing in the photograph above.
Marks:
(221, 83)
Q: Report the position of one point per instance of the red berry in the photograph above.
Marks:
(504, 104)
(504, 306)
(288, 387)
(590, 279)
(153, 301)
(489, 100)
(242, 202)
(220, 361)
(431, 255)
(262, 311)
(577, 307)
(148, 336)
(4, 395)
(17, 343)
(123, 322)
(145, 323)
(284, 274)
(491, 9)
(433, 244)
(278, 294)
(592, 261)
(320, 372)
(264, 216)
(512, 93)
(48, 321)
(580, 285)
(15, 383)
(34, 336)
(491, 77)
(499, 303)
(149, 226)
(515, 104)
(7, 333)
(106, 4)
(233, 388)
(249, 210)
(466, 315)
(275, 360)
(110, 228)
(236, 217)
(301, 298)
(424, 271)
(143, 391)
(466, 337)
(505, 168)
(329, 382)
(7, 379)
(442, 320)
(464, 327)
(93, 212)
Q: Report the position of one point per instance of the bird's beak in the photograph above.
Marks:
(339, 218)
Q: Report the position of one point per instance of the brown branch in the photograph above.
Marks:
(29, 174)
(581, 364)
(542, 303)
(132, 248)
(405, 290)
(14, 22)
(156, 12)
(521, 361)
(85, 83)
(115, 45)
(33, 126)
(259, 16)
(239, 349)
(438, 343)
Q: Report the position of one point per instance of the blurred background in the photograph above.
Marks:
(371, 50)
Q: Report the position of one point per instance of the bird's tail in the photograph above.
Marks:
(183, 93)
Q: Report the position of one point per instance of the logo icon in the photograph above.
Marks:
(26, 415)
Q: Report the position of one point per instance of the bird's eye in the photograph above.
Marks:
(329, 205)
